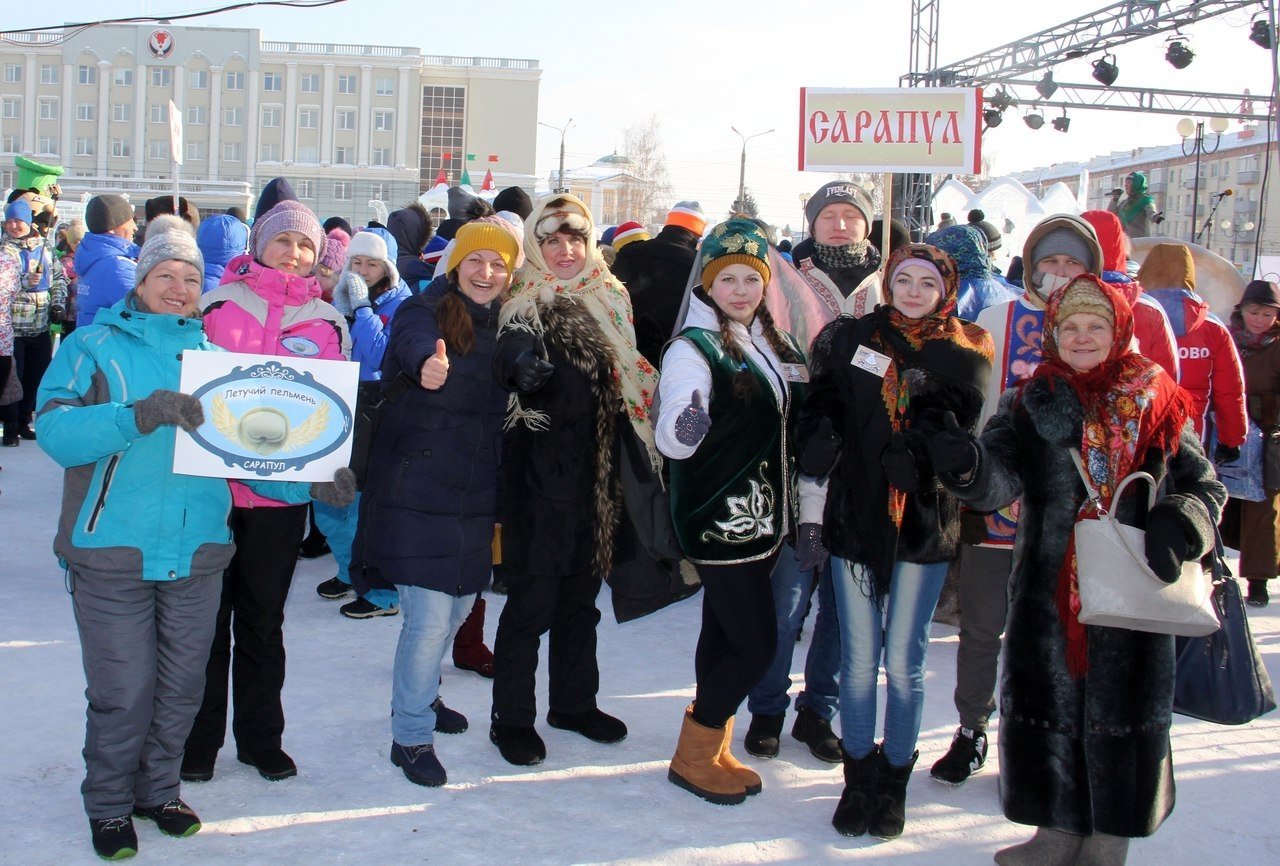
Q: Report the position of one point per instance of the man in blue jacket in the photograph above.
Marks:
(106, 259)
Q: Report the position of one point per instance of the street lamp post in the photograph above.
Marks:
(1194, 130)
(560, 187)
(742, 166)
(804, 216)
(1236, 231)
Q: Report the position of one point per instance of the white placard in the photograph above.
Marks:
(267, 417)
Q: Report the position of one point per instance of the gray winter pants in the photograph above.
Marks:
(983, 587)
(144, 644)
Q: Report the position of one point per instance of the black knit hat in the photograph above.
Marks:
(515, 200)
(337, 222)
(1260, 292)
(978, 220)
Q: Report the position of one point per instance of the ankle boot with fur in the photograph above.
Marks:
(1101, 849)
(889, 815)
(694, 766)
(469, 651)
(861, 781)
(747, 776)
(1047, 847)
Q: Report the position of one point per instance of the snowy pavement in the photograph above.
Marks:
(587, 803)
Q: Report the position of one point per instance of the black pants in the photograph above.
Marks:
(8, 413)
(565, 606)
(32, 356)
(739, 637)
(254, 590)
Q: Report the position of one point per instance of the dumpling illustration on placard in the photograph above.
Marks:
(266, 430)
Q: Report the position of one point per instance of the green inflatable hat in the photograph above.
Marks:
(36, 175)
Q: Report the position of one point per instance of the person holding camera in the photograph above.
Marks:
(1135, 206)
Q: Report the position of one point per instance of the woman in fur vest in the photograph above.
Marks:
(881, 387)
(567, 353)
(1084, 710)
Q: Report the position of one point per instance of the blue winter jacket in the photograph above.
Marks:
(125, 512)
(220, 238)
(105, 269)
(430, 499)
(371, 329)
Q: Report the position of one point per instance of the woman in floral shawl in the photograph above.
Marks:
(580, 394)
(1085, 710)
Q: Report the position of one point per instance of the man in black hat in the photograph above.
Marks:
(836, 259)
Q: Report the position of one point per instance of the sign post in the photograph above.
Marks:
(175, 149)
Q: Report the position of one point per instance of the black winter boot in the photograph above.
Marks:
(815, 732)
(861, 780)
(889, 815)
(764, 736)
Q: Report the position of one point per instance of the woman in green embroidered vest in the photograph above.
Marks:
(882, 386)
(730, 383)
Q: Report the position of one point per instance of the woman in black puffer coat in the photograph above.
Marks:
(430, 499)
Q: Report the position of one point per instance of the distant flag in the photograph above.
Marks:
(493, 157)
(488, 182)
(471, 157)
(446, 156)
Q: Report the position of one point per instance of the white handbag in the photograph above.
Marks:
(1117, 587)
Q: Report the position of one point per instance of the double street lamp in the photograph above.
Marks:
(560, 184)
(1193, 131)
(742, 167)
(1237, 231)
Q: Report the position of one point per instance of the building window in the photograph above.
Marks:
(308, 118)
(49, 144)
(342, 190)
(344, 155)
(233, 116)
(346, 84)
(11, 143)
(123, 77)
(1226, 168)
(385, 87)
(48, 109)
(12, 107)
(197, 115)
(306, 189)
(157, 148)
(12, 73)
(383, 121)
(382, 156)
(198, 79)
(273, 81)
(161, 76)
(270, 151)
(198, 150)
(88, 75)
(234, 81)
(346, 118)
(271, 116)
(378, 191)
(160, 113)
(308, 153)
(310, 83)
(122, 111)
(48, 75)
(232, 151)
(443, 112)
(119, 147)
(86, 111)
(84, 146)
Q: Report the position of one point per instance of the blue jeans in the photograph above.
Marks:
(822, 664)
(896, 628)
(339, 527)
(429, 620)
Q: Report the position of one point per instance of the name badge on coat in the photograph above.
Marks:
(872, 361)
(795, 372)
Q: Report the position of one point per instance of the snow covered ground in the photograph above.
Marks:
(587, 803)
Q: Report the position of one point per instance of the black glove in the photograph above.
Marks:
(693, 423)
(809, 550)
(57, 313)
(340, 492)
(899, 465)
(167, 407)
(1167, 545)
(531, 372)
(1225, 454)
(954, 450)
(820, 450)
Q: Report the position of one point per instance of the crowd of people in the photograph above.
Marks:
(563, 406)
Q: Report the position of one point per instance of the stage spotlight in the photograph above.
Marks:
(992, 118)
(1002, 100)
(1062, 124)
(1034, 120)
(1047, 86)
(1260, 33)
(1179, 55)
(1105, 71)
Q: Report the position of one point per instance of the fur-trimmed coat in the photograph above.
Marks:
(1089, 755)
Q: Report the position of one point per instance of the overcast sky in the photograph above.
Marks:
(703, 67)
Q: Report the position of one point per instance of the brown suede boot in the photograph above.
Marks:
(694, 766)
(741, 771)
(469, 651)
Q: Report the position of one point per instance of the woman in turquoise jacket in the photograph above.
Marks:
(144, 548)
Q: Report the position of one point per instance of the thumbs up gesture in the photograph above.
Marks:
(954, 451)
(435, 370)
(693, 423)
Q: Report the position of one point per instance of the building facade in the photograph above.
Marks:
(347, 124)
(607, 187)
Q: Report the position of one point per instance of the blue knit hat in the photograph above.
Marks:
(19, 209)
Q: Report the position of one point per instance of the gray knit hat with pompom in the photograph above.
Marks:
(169, 238)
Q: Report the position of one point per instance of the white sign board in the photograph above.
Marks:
(267, 417)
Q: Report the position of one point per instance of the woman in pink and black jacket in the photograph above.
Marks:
(267, 305)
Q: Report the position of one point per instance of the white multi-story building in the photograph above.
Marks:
(347, 124)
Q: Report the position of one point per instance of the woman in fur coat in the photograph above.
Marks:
(881, 385)
(1084, 710)
(567, 353)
